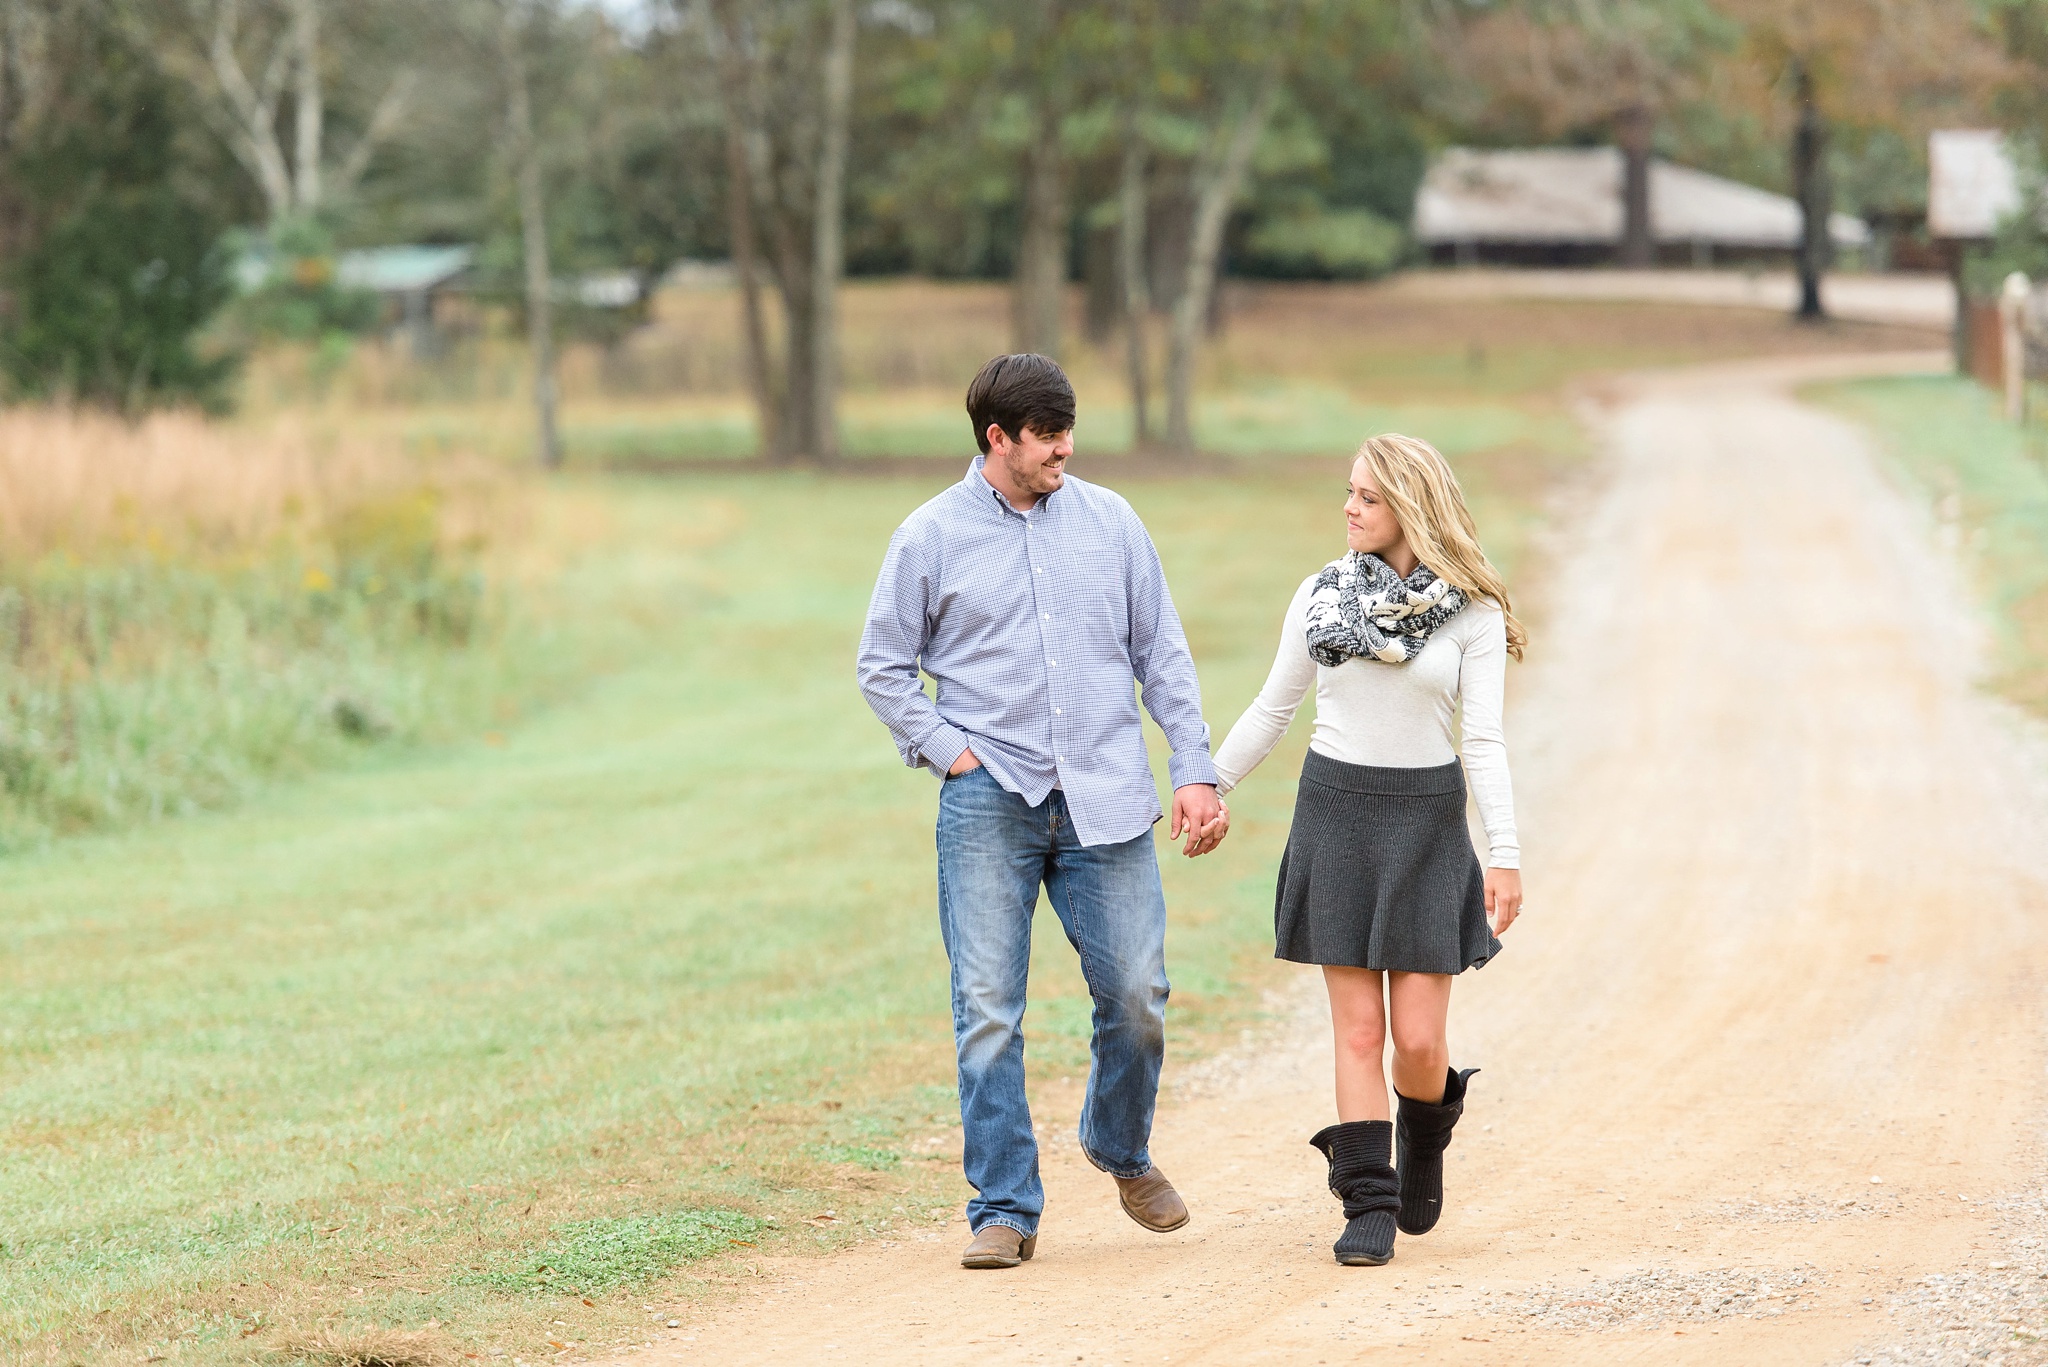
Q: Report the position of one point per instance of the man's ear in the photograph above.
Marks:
(996, 437)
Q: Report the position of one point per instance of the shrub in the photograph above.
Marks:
(1326, 244)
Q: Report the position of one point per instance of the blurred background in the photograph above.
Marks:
(446, 450)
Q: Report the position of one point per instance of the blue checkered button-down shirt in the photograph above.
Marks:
(1036, 626)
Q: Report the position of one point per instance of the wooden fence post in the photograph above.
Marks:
(2012, 310)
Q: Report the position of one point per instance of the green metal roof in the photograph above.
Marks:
(401, 270)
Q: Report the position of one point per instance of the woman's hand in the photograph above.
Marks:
(1503, 898)
(1201, 813)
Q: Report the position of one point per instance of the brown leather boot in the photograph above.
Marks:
(998, 1246)
(1152, 1201)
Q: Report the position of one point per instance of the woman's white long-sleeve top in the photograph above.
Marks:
(1395, 716)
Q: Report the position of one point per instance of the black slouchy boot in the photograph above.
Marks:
(1424, 1132)
(1363, 1179)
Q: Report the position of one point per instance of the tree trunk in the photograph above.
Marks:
(740, 191)
(255, 142)
(827, 242)
(307, 131)
(800, 357)
(1191, 310)
(1633, 129)
(534, 234)
(1810, 187)
(1131, 271)
(1038, 293)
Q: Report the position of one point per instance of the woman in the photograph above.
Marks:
(1379, 883)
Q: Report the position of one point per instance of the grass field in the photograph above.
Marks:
(1987, 482)
(468, 1046)
(667, 948)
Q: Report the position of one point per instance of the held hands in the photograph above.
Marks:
(1503, 898)
(1195, 808)
(1198, 810)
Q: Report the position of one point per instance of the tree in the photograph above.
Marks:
(515, 24)
(1814, 192)
(791, 100)
(742, 151)
(1043, 71)
(1557, 66)
(1899, 65)
(1130, 260)
(284, 39)
(1225, 64)
(110, 265)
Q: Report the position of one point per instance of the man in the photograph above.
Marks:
(1037, 602)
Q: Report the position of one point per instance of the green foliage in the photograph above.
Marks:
(2022, 240)
(299, 298)
(591, 1257)
(1325, 244)
(118, 270)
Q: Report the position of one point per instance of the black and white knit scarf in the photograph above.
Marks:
(1360, 607)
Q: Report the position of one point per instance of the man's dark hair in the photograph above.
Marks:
(1016, 392)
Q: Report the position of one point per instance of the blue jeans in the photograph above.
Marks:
(994, 852)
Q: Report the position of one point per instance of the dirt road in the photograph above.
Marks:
(1910, 299)
(1763, 1057)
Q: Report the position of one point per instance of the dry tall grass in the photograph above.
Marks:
(186, 607)
(87, 486)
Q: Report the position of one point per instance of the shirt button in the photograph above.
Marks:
(1036, 570)
(1055, 711)
(1045, 617)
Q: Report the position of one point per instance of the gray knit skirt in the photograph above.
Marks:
(1379, 871)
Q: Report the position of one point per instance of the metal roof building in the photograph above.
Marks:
(1564, 204)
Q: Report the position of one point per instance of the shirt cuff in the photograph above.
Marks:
(1191, 766)
(1509, 858)
(942, 747)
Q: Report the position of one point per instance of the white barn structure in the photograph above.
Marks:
(1563, 204)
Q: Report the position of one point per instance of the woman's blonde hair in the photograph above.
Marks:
(1418, 485)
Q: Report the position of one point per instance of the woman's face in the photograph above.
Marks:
(1370, 525)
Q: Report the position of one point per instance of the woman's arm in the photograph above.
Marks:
(1482, 682)
(1267, 719)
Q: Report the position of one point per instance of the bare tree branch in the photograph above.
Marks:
(255, 124)
(384, 121)
(305, 42)
(1218, 190)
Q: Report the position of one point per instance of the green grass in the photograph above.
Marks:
(366, 1053)
(591, 1257)
(1988, 479)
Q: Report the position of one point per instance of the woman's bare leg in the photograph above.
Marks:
(1419, 1005)
(1359, 1017)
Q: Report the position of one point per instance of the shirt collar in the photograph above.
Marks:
(977, 484)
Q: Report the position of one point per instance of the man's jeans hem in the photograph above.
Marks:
(1006, 1224)
(1111, 1169)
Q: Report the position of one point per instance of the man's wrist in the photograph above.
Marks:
(1188, 769)
(943, 748)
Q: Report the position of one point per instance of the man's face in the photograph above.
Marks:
(1034, 464)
